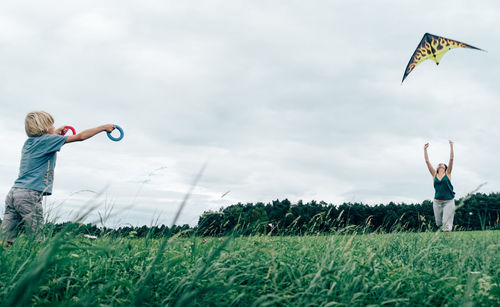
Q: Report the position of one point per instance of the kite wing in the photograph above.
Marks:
(432, 47)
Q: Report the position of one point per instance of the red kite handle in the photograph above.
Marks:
(68, 128)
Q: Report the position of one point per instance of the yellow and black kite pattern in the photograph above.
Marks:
(432, 47)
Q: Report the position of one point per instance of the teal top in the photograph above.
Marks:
(444, 189)
(38, 160)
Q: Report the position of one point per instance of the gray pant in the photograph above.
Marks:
(444, 211)
(22, 207)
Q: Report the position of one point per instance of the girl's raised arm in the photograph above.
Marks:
(452, 155)
(429, 165)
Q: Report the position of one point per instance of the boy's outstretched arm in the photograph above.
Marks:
(85, 134)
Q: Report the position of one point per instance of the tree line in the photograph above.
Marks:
(281, 217)
(478, 212)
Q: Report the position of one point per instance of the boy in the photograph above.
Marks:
(23, 204)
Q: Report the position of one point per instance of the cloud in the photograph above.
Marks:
(293, 101)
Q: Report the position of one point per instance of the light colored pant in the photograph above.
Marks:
(22, 207)
(444, 211)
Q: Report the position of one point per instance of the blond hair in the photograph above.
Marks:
(38, 123)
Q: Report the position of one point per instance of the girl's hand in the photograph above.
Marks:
(451, 142)
(427, 145)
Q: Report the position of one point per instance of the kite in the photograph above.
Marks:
(432, 47)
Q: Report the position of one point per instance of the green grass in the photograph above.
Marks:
(342, 269)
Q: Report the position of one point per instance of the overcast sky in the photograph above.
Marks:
(282, 99)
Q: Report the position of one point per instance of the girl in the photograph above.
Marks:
(444, 202)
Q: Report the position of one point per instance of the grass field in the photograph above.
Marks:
(342, 269)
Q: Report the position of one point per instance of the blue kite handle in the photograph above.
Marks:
(112, 138)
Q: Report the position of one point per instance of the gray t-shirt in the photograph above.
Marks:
(38, 160)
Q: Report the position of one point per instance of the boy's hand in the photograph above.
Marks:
(109, 127)
(61, 130)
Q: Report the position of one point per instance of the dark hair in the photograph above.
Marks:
(445, 167)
